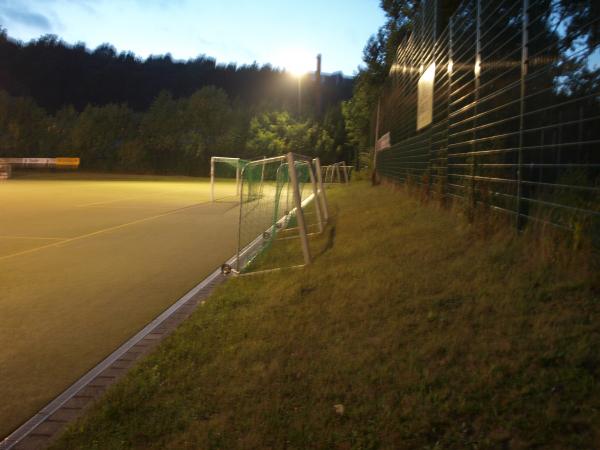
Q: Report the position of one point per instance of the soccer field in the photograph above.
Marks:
(86, 262)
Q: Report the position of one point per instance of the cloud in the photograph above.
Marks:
(164, 5)
(24, 17)
(86, 5)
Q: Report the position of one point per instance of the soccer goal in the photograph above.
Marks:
(281, 198)
(336, 173)
(225, 178)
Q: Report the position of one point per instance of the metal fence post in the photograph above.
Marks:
(476, 81)
(212, 179)
(448, 99)
(435, 22)
(432, 152)
(237, 179)
(520, 219)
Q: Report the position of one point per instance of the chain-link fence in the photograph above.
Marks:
(501, 108)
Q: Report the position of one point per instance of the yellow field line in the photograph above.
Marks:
(104, 230)
(106, 202)
(124, 199)
(126, 207)
(33, 237)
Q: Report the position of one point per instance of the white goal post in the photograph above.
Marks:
(336, 173)
(275, 193)
(234, 165)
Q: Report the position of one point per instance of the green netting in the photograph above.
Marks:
(226, 168)
(267, 204)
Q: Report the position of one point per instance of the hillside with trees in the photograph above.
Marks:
(121, 113)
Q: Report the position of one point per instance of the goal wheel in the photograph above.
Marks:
(225, 269)
(266, 235)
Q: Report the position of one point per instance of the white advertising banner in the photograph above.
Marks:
(425, 97)
(383, 142)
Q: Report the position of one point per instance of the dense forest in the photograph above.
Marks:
(121, 113)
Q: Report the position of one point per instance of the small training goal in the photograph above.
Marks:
(280, 199)
(336, 173)
(225, 181)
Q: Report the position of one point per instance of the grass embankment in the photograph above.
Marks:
(429, 334)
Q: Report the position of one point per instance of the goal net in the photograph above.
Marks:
(225, 178)
(281, 198)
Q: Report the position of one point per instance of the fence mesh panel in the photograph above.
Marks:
(515, 119)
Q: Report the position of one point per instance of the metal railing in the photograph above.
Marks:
(515, 116)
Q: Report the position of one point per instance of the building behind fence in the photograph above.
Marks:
(498, 107)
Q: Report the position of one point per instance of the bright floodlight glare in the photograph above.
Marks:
(297, 72)
(299, 63)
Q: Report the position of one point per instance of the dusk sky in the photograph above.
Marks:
(287, 34)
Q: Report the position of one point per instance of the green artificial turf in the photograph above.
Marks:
(412, 329)
(88, 260)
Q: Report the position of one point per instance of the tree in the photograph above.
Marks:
(100, 133)
(275, 133)
(358, 112)
(23, 127)
(60, 131)
(56, 74)
(269, 133)
(158, 132)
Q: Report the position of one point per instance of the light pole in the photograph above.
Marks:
(299, 94)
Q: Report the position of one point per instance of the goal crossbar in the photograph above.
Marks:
(336, 173)
(237, 163)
